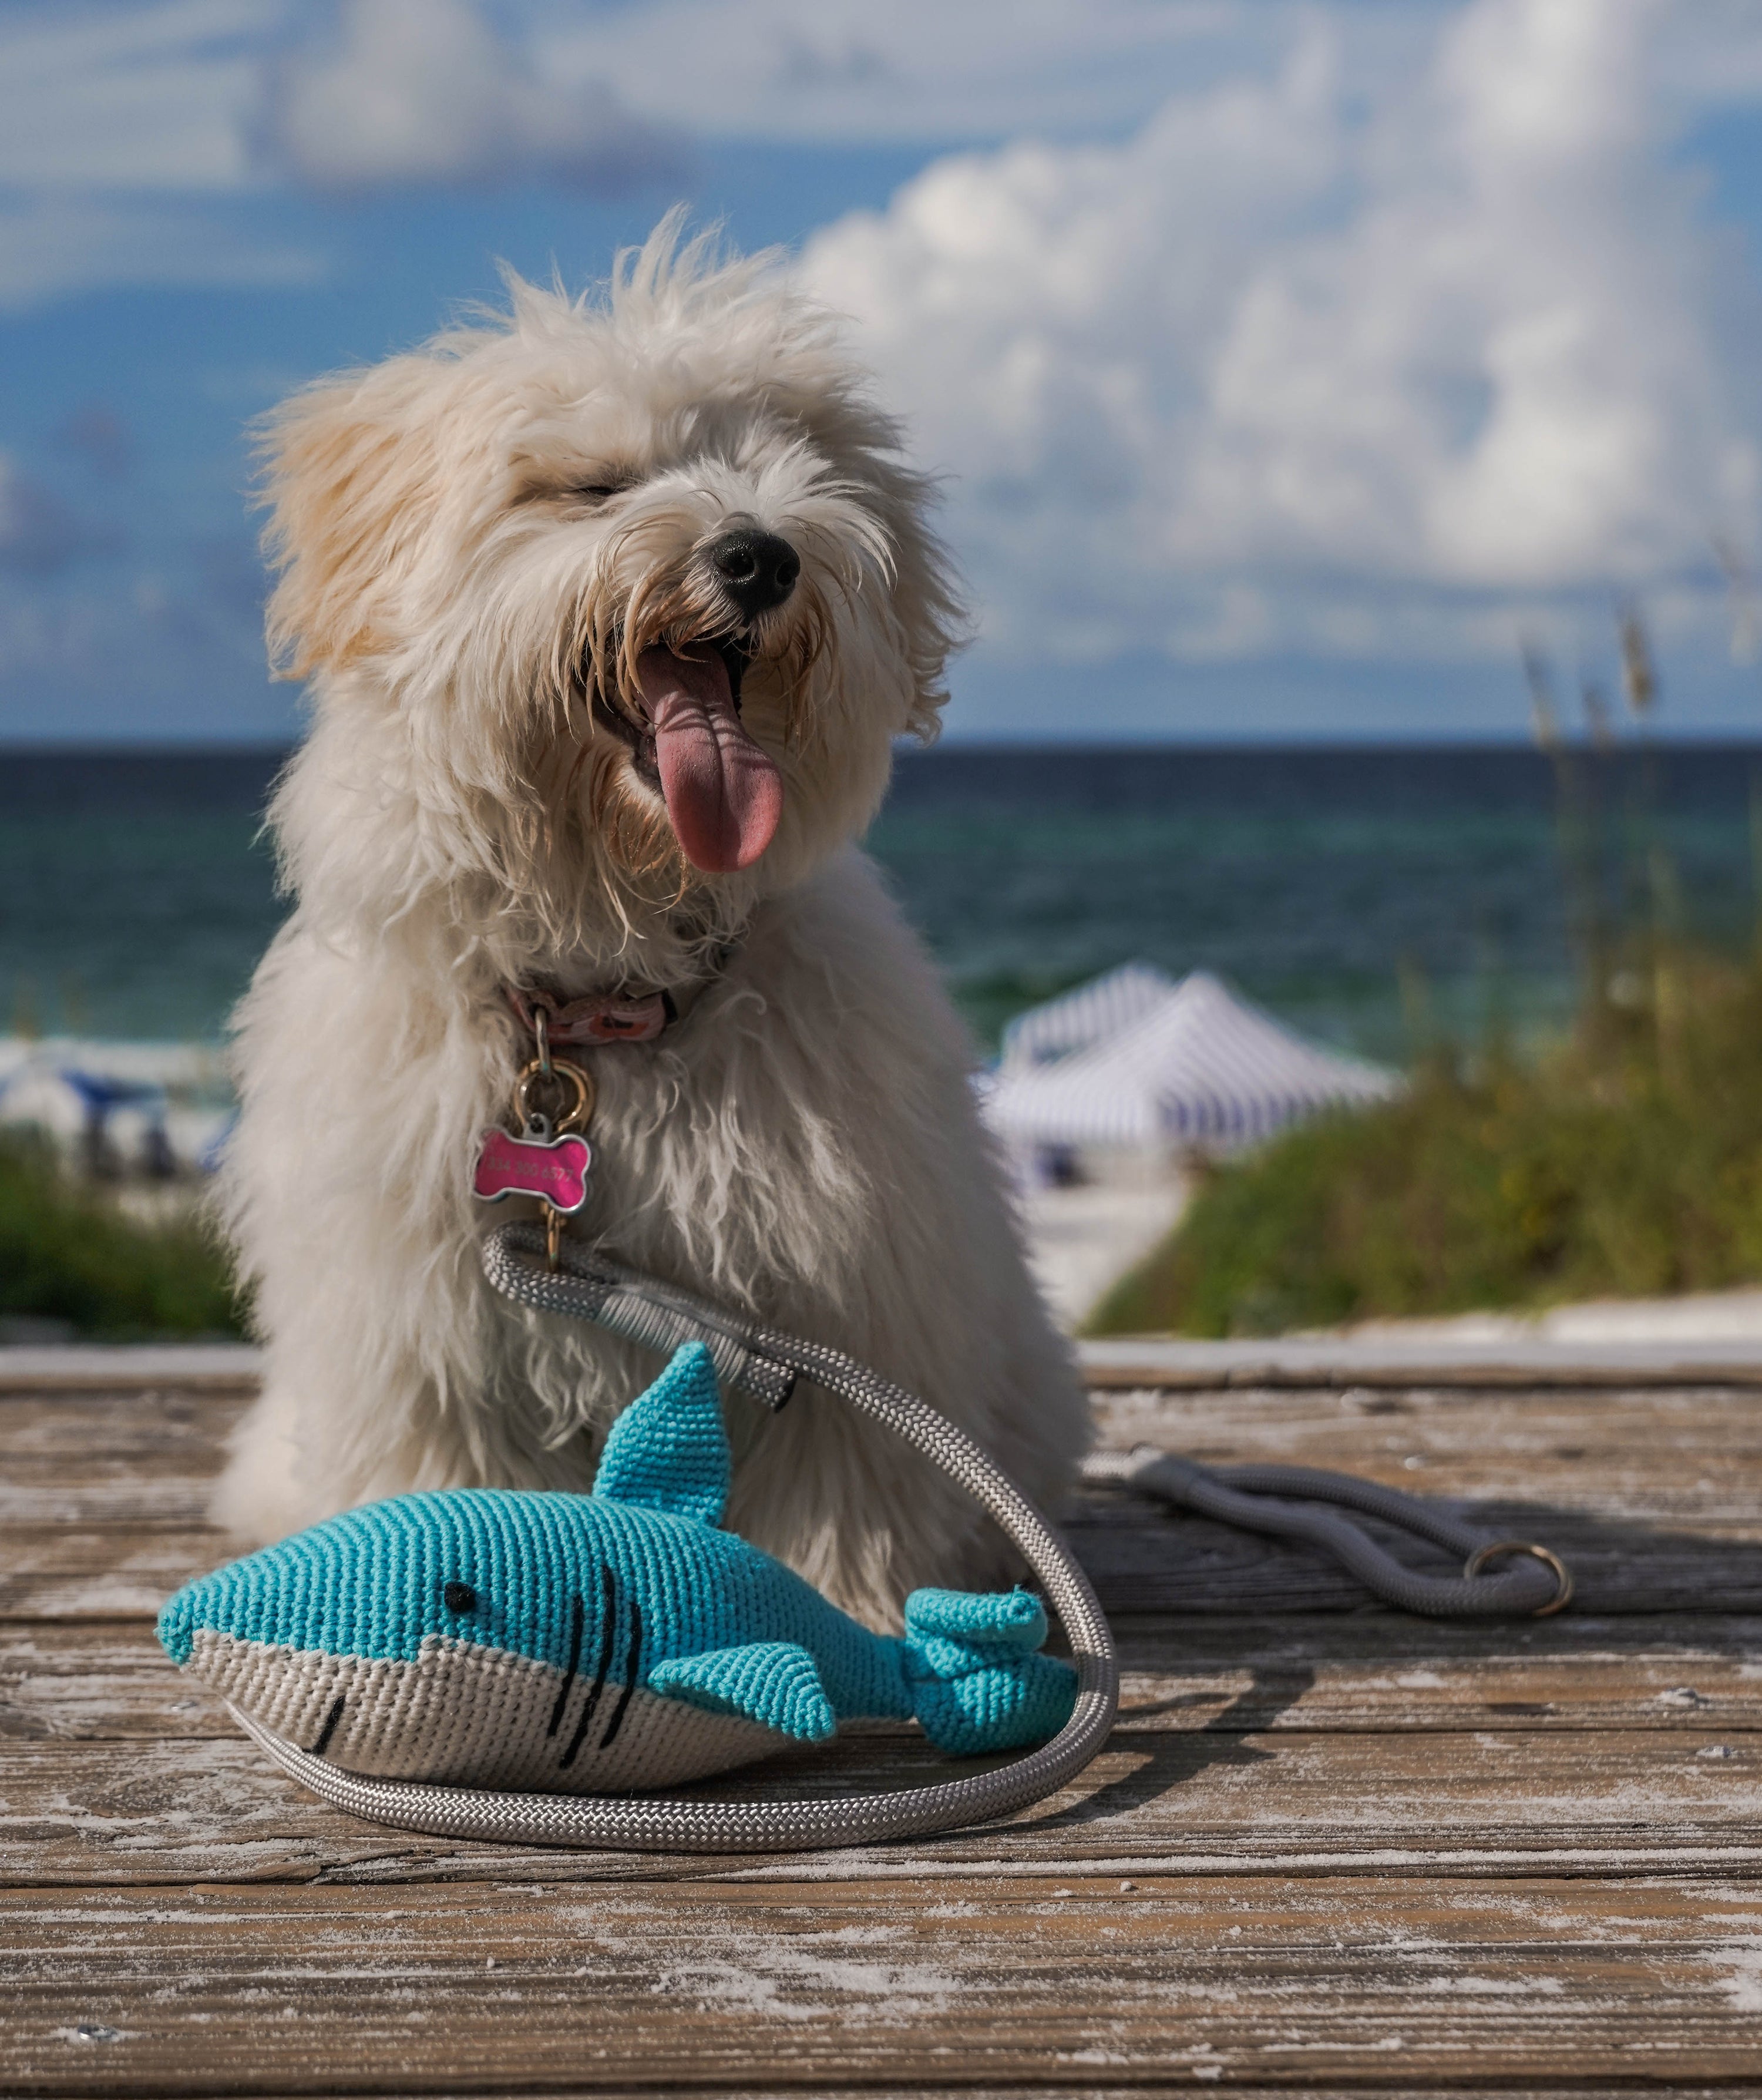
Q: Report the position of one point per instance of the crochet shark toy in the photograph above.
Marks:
(593, 1643)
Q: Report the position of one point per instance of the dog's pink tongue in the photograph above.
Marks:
(723, 794)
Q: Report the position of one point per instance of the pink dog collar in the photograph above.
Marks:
(623, 1015)
(617, 1016)
(552, 1161)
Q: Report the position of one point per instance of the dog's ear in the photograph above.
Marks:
(349, 477)
(927, 599)
(925, 596)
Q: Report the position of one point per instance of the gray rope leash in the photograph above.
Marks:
(766, 1363)
(1269, 1498)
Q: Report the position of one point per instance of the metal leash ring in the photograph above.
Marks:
(576, 1117)
(1494, 1550)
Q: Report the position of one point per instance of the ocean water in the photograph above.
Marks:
(1367, 895)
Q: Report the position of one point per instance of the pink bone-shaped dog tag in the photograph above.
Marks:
(554, 1168)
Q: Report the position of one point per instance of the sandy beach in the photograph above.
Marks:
(1081, 1241)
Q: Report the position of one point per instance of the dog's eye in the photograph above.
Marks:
(601, 491)
(459, 1597)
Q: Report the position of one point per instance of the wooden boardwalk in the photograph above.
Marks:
(1330, 1849)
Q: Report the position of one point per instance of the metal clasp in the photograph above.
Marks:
(558, 1080)
(546, 1124)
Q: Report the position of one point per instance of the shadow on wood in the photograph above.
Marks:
(1171, 1759)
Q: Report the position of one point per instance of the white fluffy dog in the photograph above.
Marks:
(612, 614)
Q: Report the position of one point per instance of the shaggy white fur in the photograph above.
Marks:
(485, 547)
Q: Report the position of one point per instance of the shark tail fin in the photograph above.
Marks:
(976, 1678)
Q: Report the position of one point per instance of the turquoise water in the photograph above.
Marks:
(1355, 891)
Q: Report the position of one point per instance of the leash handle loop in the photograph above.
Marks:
(1279, 1501)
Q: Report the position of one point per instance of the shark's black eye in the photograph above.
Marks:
(459, 1597)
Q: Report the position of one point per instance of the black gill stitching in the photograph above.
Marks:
(613, 1726)
(329, 1728)
(608, 1635)
(577, 1619)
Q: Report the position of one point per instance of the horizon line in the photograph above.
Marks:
(88, 748)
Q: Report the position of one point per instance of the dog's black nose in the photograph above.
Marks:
(757, 570)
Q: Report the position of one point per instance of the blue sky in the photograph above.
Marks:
(1291, 365)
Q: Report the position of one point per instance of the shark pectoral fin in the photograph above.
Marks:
(773, 1683)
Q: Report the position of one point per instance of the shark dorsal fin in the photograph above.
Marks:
(668, 1449)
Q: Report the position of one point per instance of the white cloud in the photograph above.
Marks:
(848, 72)
(52, 244)
(131, 98)
(1711, 54)
(98, 95)
(919, 72)
(137, 141)
(426, 92)
(217, 97)
(1312, 364)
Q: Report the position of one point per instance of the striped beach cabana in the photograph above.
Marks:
(1094, 1012)
(1201, 1068)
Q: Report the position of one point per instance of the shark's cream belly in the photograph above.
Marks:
(465, 1715)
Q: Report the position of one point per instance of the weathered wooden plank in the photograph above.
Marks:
(1339, 1363)
(700, 1985)
(1180, 2080)
(110, 1458)
(1653, 1457)
(1208, 1800)
(1660, 1459)
(102, 1683)
(1653, 1499)
(1407, 1854)
(1663, 1460)
(1417, 1373)
(201, 1367)
(107, 1491)
(1140, 1557)
(108, 1682)
(73, 1572)
(115, 1533)
(144, 1424)
(47, 1420)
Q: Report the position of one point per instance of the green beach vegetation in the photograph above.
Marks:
(1623, 1160)
(1626, 1165)
(71, 1254)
